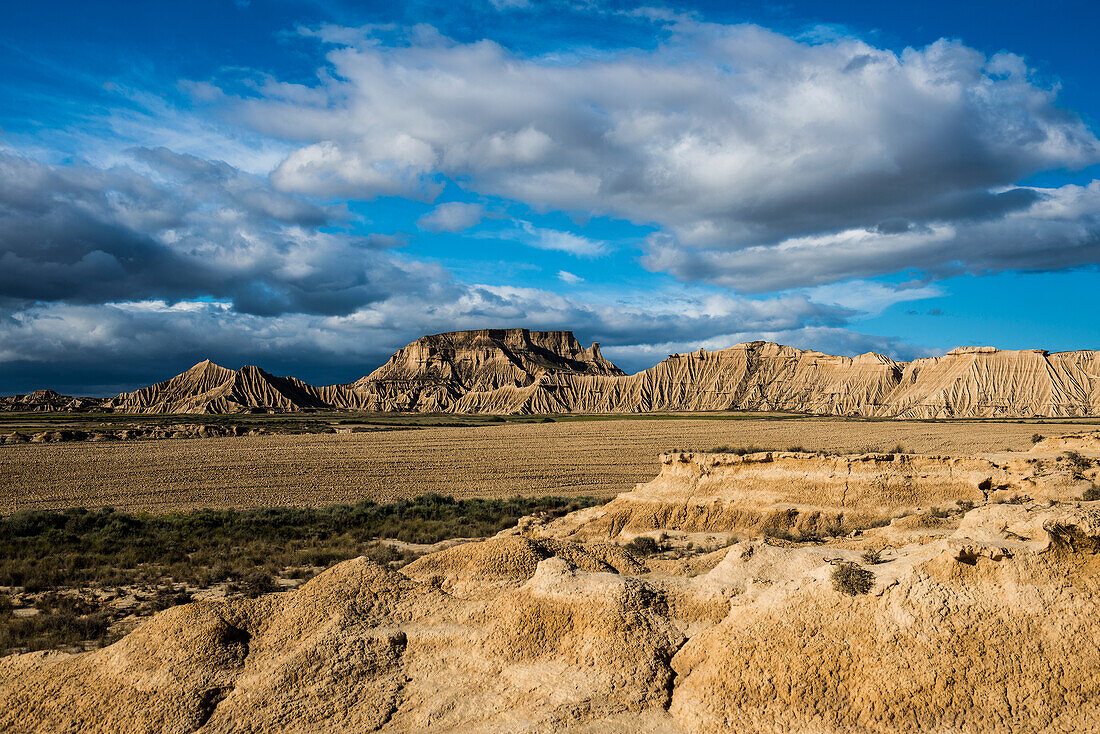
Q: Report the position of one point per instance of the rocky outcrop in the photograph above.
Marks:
(505, 371)
(132, 433)
(986, 618)
(433, 374)
(970, 382)
(46, 401)
(209, 388)
(992, 627)
(454, 372)
(360, 648)
(809, 495)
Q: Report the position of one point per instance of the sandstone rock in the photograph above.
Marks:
(506, 371)
(361, 648)
(799, 494)
(44, 401)
(985, 621)
(981, 642)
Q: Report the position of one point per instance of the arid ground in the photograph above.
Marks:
(569, 458)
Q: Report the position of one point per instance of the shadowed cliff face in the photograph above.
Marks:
(505, 371)
(982, 619)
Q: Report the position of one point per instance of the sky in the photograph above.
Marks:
(309, 185)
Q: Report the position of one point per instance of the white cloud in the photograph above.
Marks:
(569, 278)
(554, 239)
(1058, 228)
(732, 139)
(453, 216)
(138, 338)
(869, 297)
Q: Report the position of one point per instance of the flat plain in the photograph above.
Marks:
(568, 458)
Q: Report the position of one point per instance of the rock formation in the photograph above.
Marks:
(808, 495)
(208, 388)
(505, 371)
(131, 433)
(970, 382)
(46, 401)
(438, 373)
(983, 618)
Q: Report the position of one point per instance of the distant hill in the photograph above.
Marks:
(46, 401)
(209, 388)
(509, 371)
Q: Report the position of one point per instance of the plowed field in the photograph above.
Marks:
(566, 458)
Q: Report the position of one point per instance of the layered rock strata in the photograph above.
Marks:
(977, 619)
(805, 495)
(505, 371)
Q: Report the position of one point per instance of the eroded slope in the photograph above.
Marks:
(981, 618)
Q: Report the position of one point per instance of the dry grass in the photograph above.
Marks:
(599, 458)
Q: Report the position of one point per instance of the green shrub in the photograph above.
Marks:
(871, 556)
(256, 583)
(1036, 437)
(47, 553)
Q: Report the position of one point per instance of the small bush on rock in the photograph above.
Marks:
(852, 579)
(643, 545)
(871, 556)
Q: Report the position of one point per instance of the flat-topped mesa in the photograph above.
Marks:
(435, 373)
(486, 359)
(506, 371)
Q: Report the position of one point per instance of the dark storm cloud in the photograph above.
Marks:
(175, 227)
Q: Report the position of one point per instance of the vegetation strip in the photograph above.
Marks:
(70, 576)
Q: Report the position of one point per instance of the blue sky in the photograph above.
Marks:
(310, 185)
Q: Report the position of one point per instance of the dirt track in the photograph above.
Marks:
(598, 458)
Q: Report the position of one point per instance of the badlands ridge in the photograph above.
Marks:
(980, 612)
(509, 371)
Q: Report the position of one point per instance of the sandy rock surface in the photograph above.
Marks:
(983, 619)
(803, 495)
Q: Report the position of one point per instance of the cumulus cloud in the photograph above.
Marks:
(110, 277)
(177, 226)
(453, 216)
(1060, 228)
(125, 344)
(730, 139)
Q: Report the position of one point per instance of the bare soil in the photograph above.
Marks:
(565, 458)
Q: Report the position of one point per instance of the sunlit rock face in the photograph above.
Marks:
(505, 371)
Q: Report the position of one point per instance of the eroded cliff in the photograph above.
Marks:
(984, 617)
(504, 371)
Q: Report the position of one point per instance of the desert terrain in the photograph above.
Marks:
(767, 591)
(520, 371)
(501, 531)
(569, 457)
